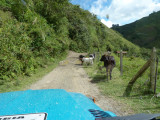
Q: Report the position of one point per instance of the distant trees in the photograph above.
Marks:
(107, 16)
(115, 26)
(144, 32)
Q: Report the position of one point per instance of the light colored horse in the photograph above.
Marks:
(87, 60)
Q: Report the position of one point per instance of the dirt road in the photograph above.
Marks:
(70, 75)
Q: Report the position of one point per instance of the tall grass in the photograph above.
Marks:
(23, 82)
(139, 101)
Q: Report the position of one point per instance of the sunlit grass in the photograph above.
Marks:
(139, 100)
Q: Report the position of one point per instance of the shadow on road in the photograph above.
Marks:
(78, 65)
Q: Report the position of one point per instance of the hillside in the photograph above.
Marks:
(144, 32)
(34, 32)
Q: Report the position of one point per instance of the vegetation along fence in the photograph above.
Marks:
(153, 64)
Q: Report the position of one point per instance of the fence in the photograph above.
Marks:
(153, 74)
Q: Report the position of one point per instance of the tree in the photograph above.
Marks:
(107, 16)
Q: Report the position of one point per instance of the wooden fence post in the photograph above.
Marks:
(133, 80)
(152, 70)
(156, 76)
(121, 62)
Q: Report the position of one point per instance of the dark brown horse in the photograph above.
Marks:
(109, 64)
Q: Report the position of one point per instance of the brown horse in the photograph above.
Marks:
(109, 64)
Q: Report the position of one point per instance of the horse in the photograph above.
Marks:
(109, 64)
(86, 60)
(92, 55)
(80, 58)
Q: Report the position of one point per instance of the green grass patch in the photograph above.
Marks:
(139, 101)
(23, 82)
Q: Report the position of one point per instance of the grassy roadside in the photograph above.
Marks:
(22, 82)
(139, 101)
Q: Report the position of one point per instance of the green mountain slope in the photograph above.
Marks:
(144, 32)
(33, 32)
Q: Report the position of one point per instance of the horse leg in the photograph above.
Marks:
(91, 61)
(81, 62)
(107, 72)
(110, 72)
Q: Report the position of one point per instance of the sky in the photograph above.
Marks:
(119, 11)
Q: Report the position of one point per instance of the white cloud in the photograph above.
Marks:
(107, 23)
(97, 7)
(125, 11)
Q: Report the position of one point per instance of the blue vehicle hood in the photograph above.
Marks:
(57, 103)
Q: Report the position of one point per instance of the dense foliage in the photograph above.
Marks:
(144, 32)
(33, 32)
